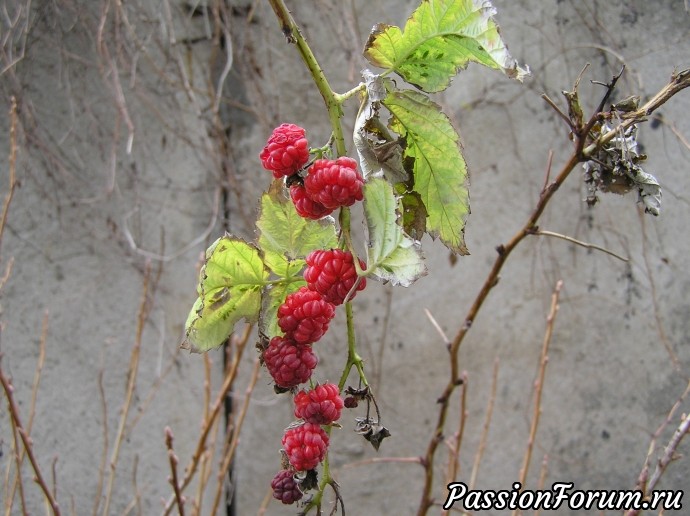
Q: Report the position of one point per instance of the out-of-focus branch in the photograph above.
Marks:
(26, 441)
(539, 384)
(234, 434)
(32, 406)
(485, 430)
(211, 420)
(12, 183)
(132, 373)
(179, 499)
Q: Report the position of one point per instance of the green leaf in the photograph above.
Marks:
(440, 38)
(279, 264)
(286, 237)
(230, 284)
(391, 255)
(274, 296)
(439, 170)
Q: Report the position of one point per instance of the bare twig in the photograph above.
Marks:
(485, 430)
(191, 469)
(668, 456)
(557, 109)
(136, 499)
(104, 454)
(437, 326)
(455, 442)
(679, 135)
(205, 463)
(547, 174)
(179, 499)
(132, 372)
(542, 477)
(8, 272)
(235, 436)
(682, 430)
(26, 441)
(539, 384)
(581, 152)
(586, 245)
(16, 449)
(655, 302)
(32, 405)
(12, 183)
(679, 81)
(644, 473)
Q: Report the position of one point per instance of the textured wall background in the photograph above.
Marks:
(90, 214)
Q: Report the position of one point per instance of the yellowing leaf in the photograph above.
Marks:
(285, 237)
(439, 170)
(391, 255)
(230, 285)
(440, 38)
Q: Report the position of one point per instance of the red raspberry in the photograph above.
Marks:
(305, 206)
(305, 446)
(288, 363)
(304, 316)
(286, 151)
(332, 274)
(285, 487)
(334, 183)
(322, 405)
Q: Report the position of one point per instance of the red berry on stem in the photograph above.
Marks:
(286, 151)
(332, 274)
(334, 183)
(306, 207)
(285, 487)
(350, 402)
(305, 446)
(321, 405)
(288, 363)
(305, 315)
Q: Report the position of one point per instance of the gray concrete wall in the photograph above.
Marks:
(89, 215)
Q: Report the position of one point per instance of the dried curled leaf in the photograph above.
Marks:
(616, 169)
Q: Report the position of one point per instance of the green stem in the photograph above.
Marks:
(342, 97)
(353, 359)
(335, 113)
(323, 482)
(332, 100)
(333, 103)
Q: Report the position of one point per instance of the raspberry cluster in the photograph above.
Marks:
(306, 443)
(289, 363)
(321, 405)
(328, 185)
(305, 446)
(332, 274)
(285, 487)
(286, 151)
(304, 316)
(334, 184)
